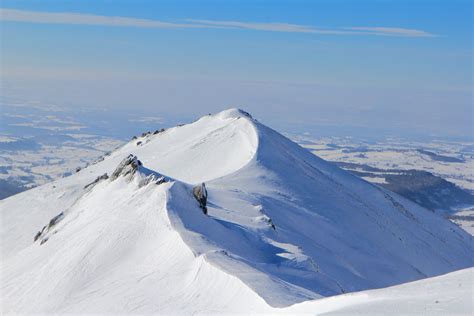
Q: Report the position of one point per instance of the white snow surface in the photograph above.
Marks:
(283, 227)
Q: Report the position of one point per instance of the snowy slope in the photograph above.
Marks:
(283, 227)
(449, 294)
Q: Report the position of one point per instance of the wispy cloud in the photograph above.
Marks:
(79, 18)
(13, 15)
(296, 28)
(270, 27)
(392, 31)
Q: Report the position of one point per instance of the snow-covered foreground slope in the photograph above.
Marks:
(450, 294)
(282, 227)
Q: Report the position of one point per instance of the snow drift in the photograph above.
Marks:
(127, 234)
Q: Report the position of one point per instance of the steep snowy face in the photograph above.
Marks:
(273, 225)
(310, 229)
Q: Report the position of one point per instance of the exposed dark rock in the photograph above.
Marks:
(139, 143)
(161, 180)
(38, 235)
(158, 131)
(56, 219)
(265, 218)
(134, 137)
(200, 193)
(128, 166)
(153, 177)
(78, 169)
(245, 113)
(97, 180)
(270, 222)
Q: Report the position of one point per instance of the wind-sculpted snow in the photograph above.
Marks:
(209, 148)
(334, 233)
(282, 227)
(119, 256)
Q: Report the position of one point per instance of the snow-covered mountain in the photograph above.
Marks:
(280, 226)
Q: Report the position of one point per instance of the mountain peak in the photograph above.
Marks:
(272, 221)
(233, 113)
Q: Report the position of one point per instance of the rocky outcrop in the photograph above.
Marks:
(43, 232)
(264, 217)
(247, 114)
(268, 221)
(158, 131)
(56, 219)
(38, 234)
(153, 177)
(128, 166)
(200, 194)
(97, 180)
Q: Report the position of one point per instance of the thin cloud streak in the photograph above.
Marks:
(79, 18)
(12, 15)
(296, 28)
(392, 31)
(271, 27)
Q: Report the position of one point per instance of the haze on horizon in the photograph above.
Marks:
(344, 67)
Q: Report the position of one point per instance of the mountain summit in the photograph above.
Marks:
(222, 213)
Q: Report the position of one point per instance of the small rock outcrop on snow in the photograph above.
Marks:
(127, 166)
(158, 131)
(264, 217)
(152, 177)
(200, 193)
(43, 232)
(97, 180)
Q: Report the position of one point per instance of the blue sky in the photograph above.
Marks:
(393, 67)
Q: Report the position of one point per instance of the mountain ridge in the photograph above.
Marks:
(281, 223)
